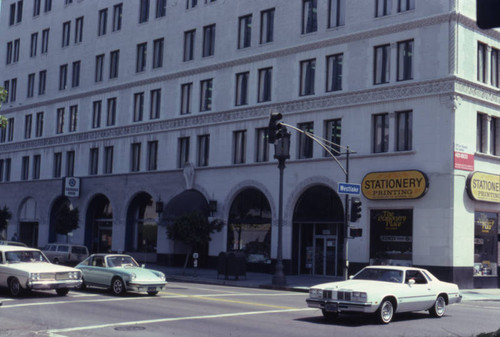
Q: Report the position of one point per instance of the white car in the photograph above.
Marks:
(23, 269)
(385, 290)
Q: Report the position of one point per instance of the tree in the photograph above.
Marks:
(194, 230)
(5, 216)
(3, 95)
(66, 220)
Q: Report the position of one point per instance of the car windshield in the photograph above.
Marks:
(121, 261)
(385, 275)
(24, 256)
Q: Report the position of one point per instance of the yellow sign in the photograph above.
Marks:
(394, 185)
(483, 187)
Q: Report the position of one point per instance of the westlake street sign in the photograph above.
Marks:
(346, 188)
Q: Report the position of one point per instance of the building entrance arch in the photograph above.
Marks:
(141, 233)
(28, 223)
(99, 225)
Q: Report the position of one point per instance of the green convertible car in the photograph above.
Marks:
(120, 273)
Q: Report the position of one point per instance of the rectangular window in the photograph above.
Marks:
(485, 244)
(70, 164)
(73, 118)
(28, 122)
(42, 82)
(103, 22)
(161, 8)
(13, 89)
(482, 51)
(144, 11)
(37, 162)
(494, 65)
(495, 136)
(307, 75)
(404, 131)
(3, 135)
(405, 60)
(333, 133)
(10, 129)
(158, 53)
(25, 168)
(93, 161)
(7, 169)
(208, 40)
(57, 165)
(189, 45)
(63, 77)
(36, 7)
(380, 133)
(60, 121)
(6, 86)
(45, 41)
(191, 3)
(19, 17)
(262, 146)
(186, 93)
(305, 142)
(66, 33)
(383, 8)
(117, 17)
(481, 132)
(31, 85)
(39, 124)
(138, 106)
(267, 26)
(153, 155)
(206, 95)
(242, 88)
(381, 64)
(406, 5)
(75, 79)
(183, 151)
(244, 31)
(155, 104)
(48, 6)
(114, 63)
(111, 112)
(265, 82)
(79, 30)
(135, 157)
(99, 68)
(203, 150)
(108, 160)
(336, 13)
(1, 169)
(17, 46)
(33, 45)
(12, 14)
(309, 16)
(239, 146)
(141, 57)
(96, 114)
(9, 53)
(334, 72)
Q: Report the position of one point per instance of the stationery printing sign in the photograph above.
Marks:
(483, 186)
(394, 185)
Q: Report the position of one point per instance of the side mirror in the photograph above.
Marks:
(351, 277)
(144, 266)
(411, 282)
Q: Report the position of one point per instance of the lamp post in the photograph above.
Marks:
(282, 153)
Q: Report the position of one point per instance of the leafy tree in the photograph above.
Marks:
(3, 95)
(66, 220)
(194, 230)
(5, 216)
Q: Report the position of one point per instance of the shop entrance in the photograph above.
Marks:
(325, 255)
(99, 225)
(28, 233)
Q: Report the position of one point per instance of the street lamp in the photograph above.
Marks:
(282, 153)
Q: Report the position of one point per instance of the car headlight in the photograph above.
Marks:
(359, 296)
(316, 293)
(160, 275)
(133, 276)
(74, 275)
(35, 276)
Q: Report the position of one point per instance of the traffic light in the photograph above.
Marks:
(355, 209)
(488, 13)
(274, 129)
(355, 232)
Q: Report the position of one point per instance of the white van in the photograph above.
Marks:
(62, 253)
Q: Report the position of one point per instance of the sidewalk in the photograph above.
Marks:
(300, 283)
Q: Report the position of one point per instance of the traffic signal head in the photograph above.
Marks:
(355, 209)
(274, 129)
(355, 232)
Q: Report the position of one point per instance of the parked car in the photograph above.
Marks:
(61, 253)
(12, 243)
(120, 273)
(23, 269)
(385, 290)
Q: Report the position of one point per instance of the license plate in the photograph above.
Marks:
(331, 307)
(151, 288)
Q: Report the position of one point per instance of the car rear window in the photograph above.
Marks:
(79, 250)
(63, 249)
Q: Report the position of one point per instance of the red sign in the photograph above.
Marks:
(463, 161)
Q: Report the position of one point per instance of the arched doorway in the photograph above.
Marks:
(249, 226)
(99, 225)
(28, 223)
(142, 225)
(56, 207)
(318, 232)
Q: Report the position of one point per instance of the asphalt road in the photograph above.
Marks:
(195, 310)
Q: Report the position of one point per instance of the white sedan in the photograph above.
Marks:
(23, 269)
(385, 290)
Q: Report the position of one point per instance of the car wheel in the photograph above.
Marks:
(439, 307)
(15, 288)
(62, 291)
(386, 311)
(117, 286)
(329, 315)
(152, 293)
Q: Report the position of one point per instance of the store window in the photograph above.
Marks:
(485, 244)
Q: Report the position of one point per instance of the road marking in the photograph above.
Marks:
(171, 319)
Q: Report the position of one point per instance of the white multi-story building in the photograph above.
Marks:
(115, 104)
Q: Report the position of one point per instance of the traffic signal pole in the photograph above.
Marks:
(346, 222)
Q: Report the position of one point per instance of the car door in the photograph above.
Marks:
(95, 272)
(419, 292)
